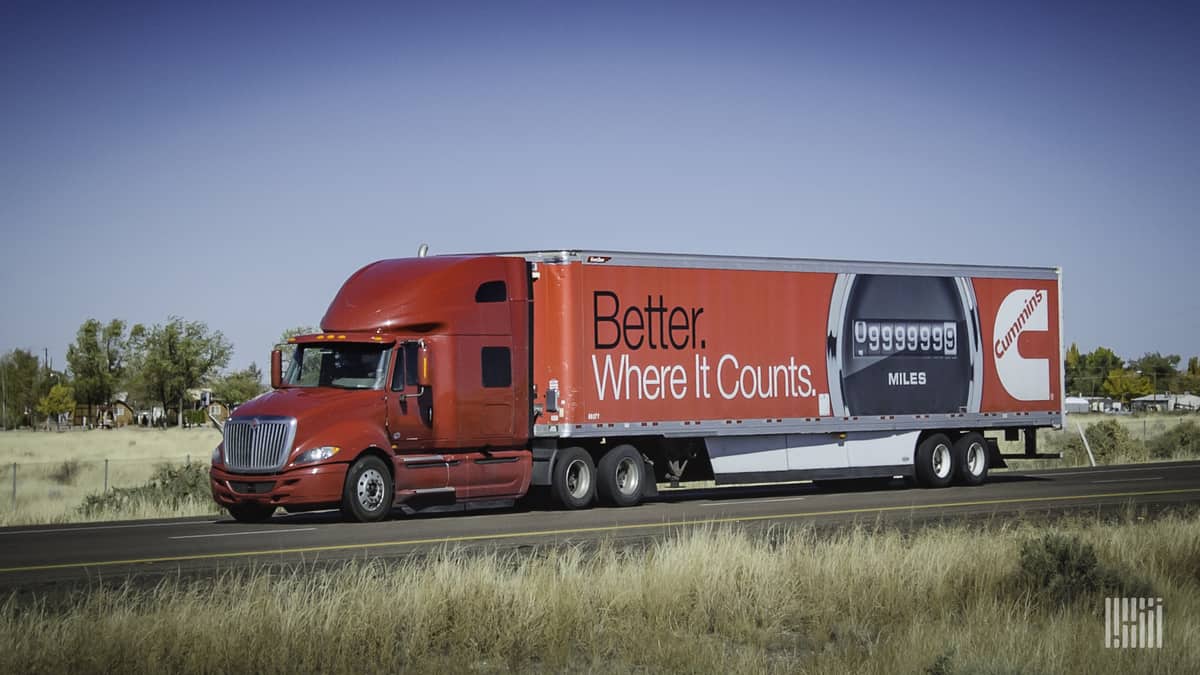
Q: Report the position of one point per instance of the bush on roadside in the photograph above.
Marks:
(1183, 438)
(1111, 443)
(170, 487)
(1059, 570)
(66, 473)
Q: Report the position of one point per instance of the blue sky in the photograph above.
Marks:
(234, 162)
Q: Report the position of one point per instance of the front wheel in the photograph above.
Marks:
(935, 462)
(367, 494)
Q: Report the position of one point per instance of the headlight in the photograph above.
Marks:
(216, 456)
(317, 454)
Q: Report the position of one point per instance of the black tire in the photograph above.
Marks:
(573, 480)
(934, 462)
(621, 475)
(971, 458)
(368, 493)
(251, 512)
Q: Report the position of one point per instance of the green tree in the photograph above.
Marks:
(239, 386)
(97, 360)
(18, 373)
(1094, 369)
(1163, 371)
(1126, 384)
(60, 399)
(1074, 369)
(170, 359)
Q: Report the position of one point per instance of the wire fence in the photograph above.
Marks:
(73, 480)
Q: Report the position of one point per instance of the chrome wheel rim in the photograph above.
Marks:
(976, 458)
(941, 460)
(579, 479)
(370, 489)
(628, 478)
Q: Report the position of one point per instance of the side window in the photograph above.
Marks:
(492, 291)
(497, 367)
(406, 367)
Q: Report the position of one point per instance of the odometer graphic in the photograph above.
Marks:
(903, 344)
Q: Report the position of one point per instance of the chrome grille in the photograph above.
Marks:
(258, 444)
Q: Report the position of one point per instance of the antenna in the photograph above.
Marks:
(422, 250)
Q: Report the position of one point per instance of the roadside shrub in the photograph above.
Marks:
(169, 487)
(1183, 438)
(66, 473)
(1059, 570)
(1111, 443)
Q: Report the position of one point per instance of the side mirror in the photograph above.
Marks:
(276, 369)
(424, 371)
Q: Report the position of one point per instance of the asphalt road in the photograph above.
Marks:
(38, 556)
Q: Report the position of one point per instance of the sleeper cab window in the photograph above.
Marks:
(491, 291)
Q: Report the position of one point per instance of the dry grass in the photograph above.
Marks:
(940, 600)
(57, 471)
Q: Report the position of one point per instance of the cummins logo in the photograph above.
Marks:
(1025, 379)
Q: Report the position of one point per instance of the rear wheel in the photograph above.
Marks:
(367, 494)
(971, 458)
(573, 482)
(621, 474)
(251, 512)
(935, 462)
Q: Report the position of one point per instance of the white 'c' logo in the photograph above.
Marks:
(1025, 379)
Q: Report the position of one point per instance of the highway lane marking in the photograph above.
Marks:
(108, 527)
(737, 502)
(239, 534)
(1129, 480)
(589, 530)
(1093, 472)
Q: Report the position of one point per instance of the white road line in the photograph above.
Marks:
(1095, 471)
(736, 502)
(1128, 480)
(238, 534)
(107, 527)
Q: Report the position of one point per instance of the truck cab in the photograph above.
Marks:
(416, 390)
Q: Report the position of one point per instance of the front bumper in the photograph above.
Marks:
(310, 486)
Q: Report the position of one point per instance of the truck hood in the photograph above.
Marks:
(304, 401)
(314, 408)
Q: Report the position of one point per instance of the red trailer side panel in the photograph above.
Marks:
(636, 347)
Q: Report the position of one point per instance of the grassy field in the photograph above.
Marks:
(1004, 599)
(56, 472)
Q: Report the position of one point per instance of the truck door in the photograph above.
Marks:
(410, 429)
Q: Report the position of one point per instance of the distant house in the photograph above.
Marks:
(1166, 402)
(1077, 404)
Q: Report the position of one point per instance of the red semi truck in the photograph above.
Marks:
(474, 379)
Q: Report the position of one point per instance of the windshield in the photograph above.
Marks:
(345, 365)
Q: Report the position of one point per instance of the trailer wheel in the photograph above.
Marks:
(971, 458)
(621, 474)
(368, 492)
(935, 462)
(573, 481)
(251, 512)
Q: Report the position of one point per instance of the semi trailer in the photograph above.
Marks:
(585, 376)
